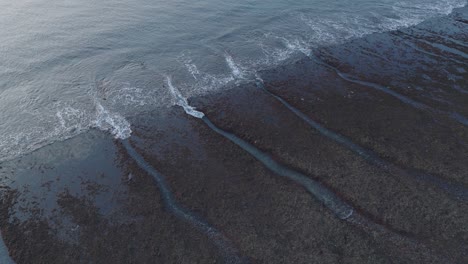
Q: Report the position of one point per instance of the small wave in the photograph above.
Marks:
(298, 45)
(236, 70)
(204, 82)
(61, 121)
(130, 96)
(348, 25)
(71, 118)
(426, 8)
(114, 123)
(130, 90)
(33, 131)
(274, 55)
(182, 101)
(192, 68)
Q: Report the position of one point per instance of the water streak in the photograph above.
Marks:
(237, 72)
(116, 124)
(460, 118)
(444, 37)
(4, 255)
(456, 190)
(366, 154)
(339, 207)
(182, 101)
(322, 193)
(453, 115)
(432, 54)
(439, 46)
(327, 197)
(230, 253)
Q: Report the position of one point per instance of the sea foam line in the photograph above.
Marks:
(236, 71)
(116, 124)
(182, 101)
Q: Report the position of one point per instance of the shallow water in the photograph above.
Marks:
(68, 66)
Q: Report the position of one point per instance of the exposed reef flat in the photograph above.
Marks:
(380, 122)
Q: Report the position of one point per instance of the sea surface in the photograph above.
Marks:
(70, 66)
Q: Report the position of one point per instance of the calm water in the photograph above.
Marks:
(68, 66)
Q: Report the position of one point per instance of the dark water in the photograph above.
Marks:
(68, 66)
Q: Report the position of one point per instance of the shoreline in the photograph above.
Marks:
(84, 199)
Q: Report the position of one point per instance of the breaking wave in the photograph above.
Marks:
(114, 123)
(60, 122)
(182, 101)
(30, 122)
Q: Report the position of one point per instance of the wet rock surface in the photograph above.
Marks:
(402, 95)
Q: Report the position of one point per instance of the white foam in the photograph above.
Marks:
(274, 56)
(182, 101)
(70, 117)
(130, 96)
(298, 45)
(31, 130)
(347, 25)
(426, 8)
(204, 83)
(236, 70)
(292, 44)
(114, 123)
(192, 68)
(30, 124)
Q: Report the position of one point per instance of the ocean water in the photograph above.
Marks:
(70, 66)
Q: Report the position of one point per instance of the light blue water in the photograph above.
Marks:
(67, 66)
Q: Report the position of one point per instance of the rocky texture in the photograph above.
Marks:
(402, 95)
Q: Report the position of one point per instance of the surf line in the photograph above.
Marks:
(418, 105)
(340, 208)
(231, 254)
(323, 194)
(455, 190)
